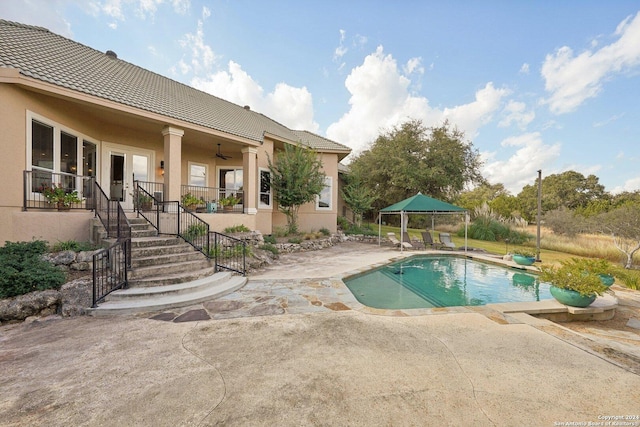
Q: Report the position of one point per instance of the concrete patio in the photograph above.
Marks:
(290, 349)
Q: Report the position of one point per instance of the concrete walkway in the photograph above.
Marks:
(318, 364)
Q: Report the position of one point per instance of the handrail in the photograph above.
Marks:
(110, 265)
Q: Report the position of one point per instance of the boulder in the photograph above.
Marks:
(39, 303)
(77, 296)
(63, 258)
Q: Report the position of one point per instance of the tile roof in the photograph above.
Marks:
(40, 54)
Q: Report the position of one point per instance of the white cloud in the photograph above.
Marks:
(611, 119)
(521, 168)
(341, 50)
(630, 185)
(516, 113)
(524, 69)
(289, 105)
(202, 56)
(571, 80)
(414, 65)
(380, 99)
(49, 14)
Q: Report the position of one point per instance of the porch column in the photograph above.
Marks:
(172, 162)
(250, 179)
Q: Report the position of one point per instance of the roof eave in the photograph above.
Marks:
(13, 76)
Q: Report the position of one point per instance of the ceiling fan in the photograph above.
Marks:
(222, 156)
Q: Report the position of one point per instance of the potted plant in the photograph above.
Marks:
(190, 202)
(229, 202)
(60, 196)
(142, 201)
(524, 257)
(601, 267)
(573, 283)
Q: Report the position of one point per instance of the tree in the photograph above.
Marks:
(481, 194)
(569, 189)
(357, 197)
(411, 157)
(296, 179)
(623, 224)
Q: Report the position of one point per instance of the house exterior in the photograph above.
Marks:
(70, 115)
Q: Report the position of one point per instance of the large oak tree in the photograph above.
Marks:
(409, 158)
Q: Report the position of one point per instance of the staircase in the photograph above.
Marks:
(166, 272)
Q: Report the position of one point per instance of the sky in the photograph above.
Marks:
(535, 85)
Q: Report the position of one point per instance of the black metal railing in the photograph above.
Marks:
(211, 199)
(110, 265)
(57, 190)
(171, 217)
(229, 253)
(110, 269)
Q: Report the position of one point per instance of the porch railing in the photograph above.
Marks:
(214, 200)
(37, 183)
(110, 265)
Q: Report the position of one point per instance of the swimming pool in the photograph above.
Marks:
(444, 281)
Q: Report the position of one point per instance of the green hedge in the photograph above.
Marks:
(22, 269)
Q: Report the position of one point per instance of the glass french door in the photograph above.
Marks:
(126, 165)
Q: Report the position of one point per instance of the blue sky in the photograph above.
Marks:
(551, 85)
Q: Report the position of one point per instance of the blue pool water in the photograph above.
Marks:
(444, 281)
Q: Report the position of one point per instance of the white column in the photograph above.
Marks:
(250, 179)
(172, 162)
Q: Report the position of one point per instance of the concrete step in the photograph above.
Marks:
(173, 268)
(144, 233)
(145, 242)
(165, 259)
(147, 251)
(170, 279)
(175, 289)
(179, 296)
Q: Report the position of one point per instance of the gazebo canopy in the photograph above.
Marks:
(422, 204)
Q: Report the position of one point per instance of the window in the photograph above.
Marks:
(56, 155)
(197, 174)
(323, 201)
(265, 188)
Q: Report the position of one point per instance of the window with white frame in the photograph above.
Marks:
(323, 201)
(57, 155)
(197, 174)
(265, 188)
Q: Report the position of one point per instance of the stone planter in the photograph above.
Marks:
(523, 260)
(571, 298)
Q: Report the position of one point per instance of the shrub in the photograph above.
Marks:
(270, 239)
(195, 230)
(295, 240)
(73, 245)
(325, 231)
(363, 229)
(492, 230)
(343, 223)
(22, 270)
(237, 229)
(271, 248)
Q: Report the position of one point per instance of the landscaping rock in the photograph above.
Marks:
(77, 296)
(63, 258)
(85, 256)
(81, 266)
(40, 303)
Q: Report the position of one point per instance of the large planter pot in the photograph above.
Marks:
(607, 279)
(523, 260)
(571, 298)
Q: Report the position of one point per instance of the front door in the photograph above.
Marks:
(126, 164)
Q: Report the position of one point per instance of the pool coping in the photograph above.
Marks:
(603, 308)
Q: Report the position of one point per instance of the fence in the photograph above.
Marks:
(212, 200)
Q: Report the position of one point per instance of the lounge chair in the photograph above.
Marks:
(428, 240)
(393, 239)
(407, 238)
(445, 239)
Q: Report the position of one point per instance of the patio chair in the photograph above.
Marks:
(393, 239)
(428, 240)
(414, 243)
(445, 240)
